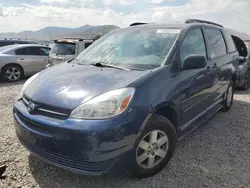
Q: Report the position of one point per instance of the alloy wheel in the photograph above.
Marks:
(152, 149)
(13, 73)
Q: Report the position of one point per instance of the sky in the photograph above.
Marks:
(20, 15)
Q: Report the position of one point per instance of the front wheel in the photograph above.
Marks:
(229, 97)
(155, 147)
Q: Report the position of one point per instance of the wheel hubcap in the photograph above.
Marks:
(152, 149)
(13, 73)
(229, 96)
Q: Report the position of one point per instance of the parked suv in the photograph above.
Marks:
(124, 102)
(67, 49)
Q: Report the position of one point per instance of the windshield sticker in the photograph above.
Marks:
(168, 31)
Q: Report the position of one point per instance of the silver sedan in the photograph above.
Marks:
(17, 61)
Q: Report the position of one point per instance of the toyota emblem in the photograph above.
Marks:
(31, 107)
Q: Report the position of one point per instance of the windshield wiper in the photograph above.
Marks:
(109, 66)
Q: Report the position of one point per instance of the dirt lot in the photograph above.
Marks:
(215, 155)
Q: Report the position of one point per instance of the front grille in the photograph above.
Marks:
(32, 124)
(47, 110)
(74, 164)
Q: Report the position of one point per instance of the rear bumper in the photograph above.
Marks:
(76, 146)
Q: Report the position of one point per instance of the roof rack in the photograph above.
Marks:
(75, 38)
(202, 21)
(137, 23)
(12, 39)
(72, 39)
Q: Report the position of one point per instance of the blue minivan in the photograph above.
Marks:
(124, 102)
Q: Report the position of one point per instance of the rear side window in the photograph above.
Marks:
(26, 51)
(64, 48)
(87, 44)
(43, 51)
(230, 43)
(193, 44)
(216, 43)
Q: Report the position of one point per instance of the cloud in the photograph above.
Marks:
(85, 3)
(48, 15)
(231, 13)
(56, 1)
(1, 10)
(157, 1)
(118, 2)
(163, 17)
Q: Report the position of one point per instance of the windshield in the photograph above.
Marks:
(63, 48)
(142, 48)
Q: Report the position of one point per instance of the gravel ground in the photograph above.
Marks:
(216, 155)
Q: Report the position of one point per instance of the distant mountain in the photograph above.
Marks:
(86, 31)
(90, 32)
(57, 32)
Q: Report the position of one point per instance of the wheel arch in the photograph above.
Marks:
(170, 112)
(16, 64)
(167, 110)
(234, 78)
(9, 64)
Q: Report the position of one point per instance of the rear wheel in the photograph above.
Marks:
(229, 96)
(12, 73)
(155, 147)
(246, 81)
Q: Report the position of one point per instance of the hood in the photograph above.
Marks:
(68, 85)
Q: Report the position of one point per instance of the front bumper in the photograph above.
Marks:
(86, 147)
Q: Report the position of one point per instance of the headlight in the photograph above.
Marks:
(20, 95)
(107, 105)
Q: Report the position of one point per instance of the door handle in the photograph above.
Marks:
(21, 58)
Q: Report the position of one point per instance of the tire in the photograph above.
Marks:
(246, 81)
(228, 102)
(12, 73)
(164, 131)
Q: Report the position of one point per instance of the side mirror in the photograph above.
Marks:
(194, 62)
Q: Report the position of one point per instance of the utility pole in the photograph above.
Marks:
(50, 37)
(25, 35)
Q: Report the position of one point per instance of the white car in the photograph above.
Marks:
(17, 61)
